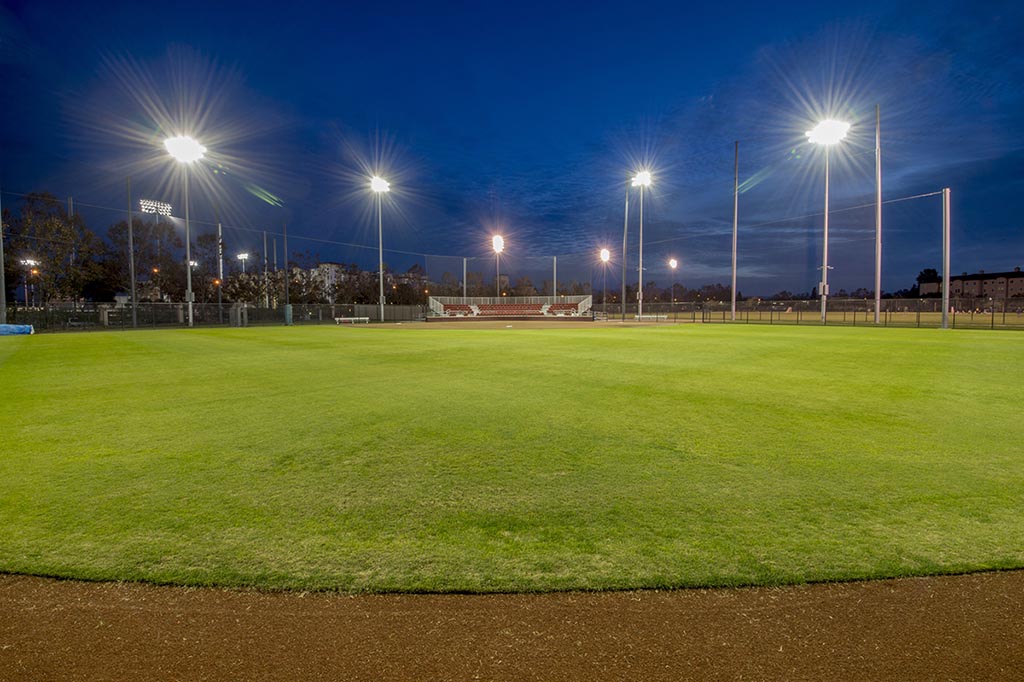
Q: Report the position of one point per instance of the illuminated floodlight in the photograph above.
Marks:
(243, 257)
(153, 206)
(194, 263)
(379, 184)
(184, 148)
(828, 132)
(605, 255)
(498, 242)
(642, 179)
(29, 262)
(672, 263)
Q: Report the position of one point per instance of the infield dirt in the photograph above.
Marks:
(966, 627)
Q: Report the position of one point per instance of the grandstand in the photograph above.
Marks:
(453, 308)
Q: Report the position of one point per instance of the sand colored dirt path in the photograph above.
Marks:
(949, 628)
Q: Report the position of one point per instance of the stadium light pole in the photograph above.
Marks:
(498, 244)
(243, 257)
(735, 222)
(3, 280)
(131, 256)
(186, 150)
(30, 269)
(827, 133)
(158, 209)
(606, 256)
(641, 180)
(379, 185)
(672, 263)
(625, 231)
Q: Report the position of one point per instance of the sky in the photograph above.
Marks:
(528, 119)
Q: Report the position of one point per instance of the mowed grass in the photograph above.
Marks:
(466, 459)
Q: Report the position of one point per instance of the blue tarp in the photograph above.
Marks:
(12, 329)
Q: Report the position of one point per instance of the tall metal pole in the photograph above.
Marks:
(554, 276)
(463, 279)
(287, 269)
(945, 258)
(71, 256)
(672, 293)
(266, 285)
(3, 280)
(497, 274)
(878, 213)
(188, 253)
(131, 254)
(220, 275)
(735, 221)
(380, 245)
(640, 289)
(625, 230)
(604, 290)
(824, 251)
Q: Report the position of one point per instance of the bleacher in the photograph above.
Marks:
(510, 309)
(563, 309)
(458, 309)
(526, 307)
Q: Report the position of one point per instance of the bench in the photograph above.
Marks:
(351, 320)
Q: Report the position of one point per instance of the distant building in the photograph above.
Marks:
(981, 285)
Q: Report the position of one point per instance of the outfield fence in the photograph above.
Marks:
(93, 317)
(965, 313)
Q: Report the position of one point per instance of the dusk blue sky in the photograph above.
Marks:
(528, 119)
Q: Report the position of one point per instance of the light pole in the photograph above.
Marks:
(30, 269)
(625, 231)
(157, 208)
(826, 133)
(605, 257)
(641, 180)
(243, 257)
(672, 263)
(186, 151)
(379, 185)
(498, 243)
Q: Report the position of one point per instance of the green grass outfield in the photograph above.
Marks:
(412, 458)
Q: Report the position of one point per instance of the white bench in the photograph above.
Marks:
(351, 320)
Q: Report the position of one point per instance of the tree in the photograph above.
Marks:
(450, 285)
(524, 287)
(66, 249)
(929, 276)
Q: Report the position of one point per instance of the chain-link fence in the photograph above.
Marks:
(964, 313)
(67, 261)
(96, 317)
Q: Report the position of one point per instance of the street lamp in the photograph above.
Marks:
(186, 150)
(498, 243)
(30, 269)
(606, 256)
(827, 133)
(243, 257)
(379, 185)
(641, 180)
(672, 263)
